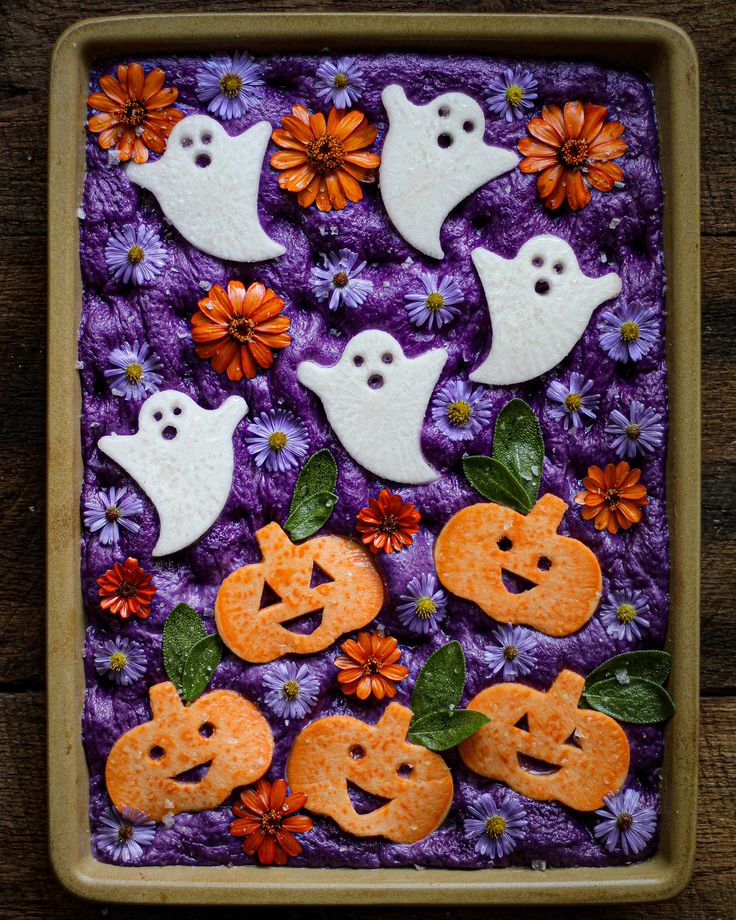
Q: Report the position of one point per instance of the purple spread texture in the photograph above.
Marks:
(620, 231)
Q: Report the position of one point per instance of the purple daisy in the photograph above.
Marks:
(460, 411)
(121, 660)
(629, 334)
(337, 280)
(628, 823)
(513, 652)
(423, 606)
(340, 84)
(292, 690)
(576, 403)
(124, 834)
(641, 432)
(229, 84)
(133, 371)
(513, 93)
(624, 613)
(135, 254)
(436, 304)
(495, 828)
(109, 511)
(277, 440)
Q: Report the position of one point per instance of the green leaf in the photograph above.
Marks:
(446, 728)
(441, 681)
(640, 702)
(518, 445)
(182, 629)
(312, 514)
(496, 482)
(651, 664)
(199, 666)
(319, 474)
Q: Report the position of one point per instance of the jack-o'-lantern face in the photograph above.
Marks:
(338, 756)
(349, 596)
(546, 748)
(188, 758)
(517, 568)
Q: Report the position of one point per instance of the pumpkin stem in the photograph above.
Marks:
(396, 718)
(164, 699)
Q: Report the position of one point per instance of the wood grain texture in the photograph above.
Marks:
(29, 30)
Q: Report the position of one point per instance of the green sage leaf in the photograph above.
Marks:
(446, 728)
(199, 666)
(441, 681)
(319, 474)
(183, 629)
(496, 482)
(309, 516)
(640, 701)
(518, 445)
(651, 664)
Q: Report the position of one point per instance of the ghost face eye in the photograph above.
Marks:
(186, 142)
(358, 360)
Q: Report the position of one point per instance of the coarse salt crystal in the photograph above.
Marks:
(622, 676)
(615, 221)
(81, 214)
(539, 864)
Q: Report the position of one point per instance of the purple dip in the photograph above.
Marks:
(620, 230)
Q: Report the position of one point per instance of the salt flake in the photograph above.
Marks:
(539, 864)
(615, 221)
(81, 213)
(622, 676)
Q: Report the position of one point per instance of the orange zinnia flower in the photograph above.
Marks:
(613, 497)
(267, 821)
(369, 666)
(136, 112)
(571, 148)
(238, 330)
(126, 589)
(325, 161)
(388, 524)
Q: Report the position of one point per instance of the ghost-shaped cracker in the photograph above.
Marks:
(540, 303)
(207, 185)
(432, 158)
(182, 458)
(376, 398)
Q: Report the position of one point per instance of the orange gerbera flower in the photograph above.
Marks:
(238, 330)
(613, 497)
(126, 589)
(369, 666)
(571, 148)
(136, 112)
(267, 821)
(325, 161)
(388, 524)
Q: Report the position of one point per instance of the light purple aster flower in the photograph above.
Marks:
(460, 411)
(629, 334)
(337, 280)
(628, 823)
(292, 690)
(423, 606)
(641, 432)
(495, 828)
(135, 254)
(124, 834)
(109, 511)
(513, 652)
(576, 403)
(229, 84)
(277, 440)
(121, 660)
(340, 84)
(624, 613)
(513, 93)
(436, 304)
(133, 371)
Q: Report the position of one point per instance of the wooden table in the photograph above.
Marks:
(27, 886)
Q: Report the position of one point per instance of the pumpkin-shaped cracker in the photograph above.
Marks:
(336, 751)
(221, 735)
(483, 544)
(546, 748)
(349, 599)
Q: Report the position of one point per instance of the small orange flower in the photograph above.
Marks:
(238, 330)
(136, 112)
(613, 497)
(388, 524)
(571, 148)
(265, 817)
(126, 589)
(325, 161)
(369, 666)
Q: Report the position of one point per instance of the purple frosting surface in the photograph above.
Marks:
(619, 231)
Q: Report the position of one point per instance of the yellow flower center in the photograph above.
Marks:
(325, 153)
(136, 254)
(510, 652)
(514, 94)
(241, 329)
(573, 402)
(633, 431)
(341, 280)
(230, 85)
(340, 81)
(291, 690)
(127, 589)
(277, 440)
(134, 113)
(624, 821)
(625, 613)
(425, 608)
(434, 302)
(371, 666)
(389, 524)
(118, 661)
(612, 497)
(495, 826)
(629, 332)
(125, 832)
(112, 514)
(459, 413)
(574, 152)
(134, 373)
(271, 822)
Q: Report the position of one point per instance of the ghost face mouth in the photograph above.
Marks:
(193, 775)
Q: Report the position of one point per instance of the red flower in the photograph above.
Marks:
(267, 821)
(126, 589)
(369, 666)
(388, 524)
(613, 497)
